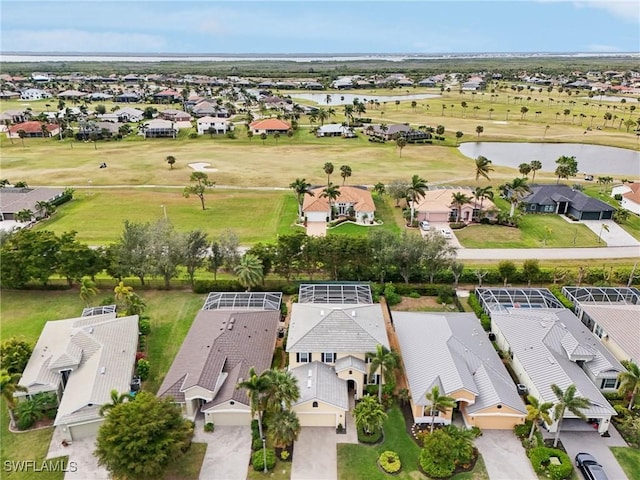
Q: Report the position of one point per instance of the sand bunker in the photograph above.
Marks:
(202, 167)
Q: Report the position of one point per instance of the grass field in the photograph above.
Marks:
(629, 460)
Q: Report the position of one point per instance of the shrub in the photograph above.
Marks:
(193, 135)
(143, 369)
(391, 296)
(208, 427)
(257, 460)
(390, 461)
(256, 444)
(144, 326)
(618, 197)
(436, 467)
(522, 430)
(414, 295)
(540, 460)
(485, 321)
(558, 294)
(255, 429)
(373, 437)
(621, 410)
(284, 455)
(23, 423)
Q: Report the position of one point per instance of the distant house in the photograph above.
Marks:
(451, 351)
(208, 109)
(231, 334)
(101, 129)
(123, 115)
(630, 196)
(313, 86)
(437, 206)
(389, 131)
(127, 97)
(167, 96)
(564, 200)
(214, 125)
(34, 94)
(71, 95)
(33, 129)
(175, 115)
(8, 94)
(158, 128)
(427, 82)
(353, 201)
(15, 116)
(98, 96)
(13, 200)
(269, 126)
(335, 130)
(81, 360)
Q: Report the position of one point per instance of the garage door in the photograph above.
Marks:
(231, 418)
(497, 422)
(86, 430)
(590, 216)
(317, 419)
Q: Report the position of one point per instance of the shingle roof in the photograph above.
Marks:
(13, 200)
(318, 381)
(547, 195)
(359, 197)
(215, 357)
(337, 328)
(453, 352)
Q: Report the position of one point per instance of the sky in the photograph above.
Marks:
(301, 26)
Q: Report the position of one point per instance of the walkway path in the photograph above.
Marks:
(504, 456)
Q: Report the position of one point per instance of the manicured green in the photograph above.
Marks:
(356, 462)
(631, 224)
(384, 214)
(188, 466)
(629, 460)
(282, 471)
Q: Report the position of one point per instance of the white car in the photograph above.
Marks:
(424, 225)
(446, 233)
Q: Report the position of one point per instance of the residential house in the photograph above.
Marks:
(167, 96)
(71, 95)
(269, 126)
(123, 115)
(437, 206)
(33, 129)
(451, 351)
(175, 115)
(231, 334)
(209, 109)
(313, 86)
(612, 314)
(13, 200)
(630, 196)
(564, 200)
(9, 95)
(101, 129)
(214, 125)
(34, 94)
(354, 201)
(99, 96)
(388, 132)
(335, 130)
(337, 324)
(548, 345)
(158, 128)
(82, 360)
(15, 116)
(127, 97)
(427, 82)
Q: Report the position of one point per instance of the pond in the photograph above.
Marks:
(592, 159)
(347, 98)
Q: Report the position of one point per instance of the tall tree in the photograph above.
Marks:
(538, 411)
(459, 200)
(567, 400)
(116, 399)
(167, 250)
(301, 188)
(385, 360)
(284, 428)
(416, 190)
(438, 403)
(256, 387)
(369, 415)
(8, 386)
(517, 189)
(567, 167)
(195, 254)
(345, 172)
(483, 167)
(459, 135)
(535, 166)
(331, 192)
(249, 271)
(524, 169)
(202, 183)
(630, 382)
(481, 193)
(15, 353)
(282, 391)
(328, 170)
(479, 130)
(139, 439)
(22, 133)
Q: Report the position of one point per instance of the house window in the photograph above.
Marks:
(65, 378)
(315, 405)
(599, 331)
(533, 207)
(303, 357)
(549, 208)
(372, 379)
(329, 357)
(367, 360)
(609, 383)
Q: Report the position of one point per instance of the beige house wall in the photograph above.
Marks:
(306, 410)
(227, 413)
(494, 418)
(463, 395)
(615, 349)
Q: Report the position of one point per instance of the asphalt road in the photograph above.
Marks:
(548, 253)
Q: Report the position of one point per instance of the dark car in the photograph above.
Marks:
(590, 467)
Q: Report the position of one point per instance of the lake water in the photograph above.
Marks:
(347, 98)
(592, 159)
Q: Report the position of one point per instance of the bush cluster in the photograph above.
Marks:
(557, 292)
(485, 320)
(209, 427)
(390, 461)
(540, 459)
(371, 438)
(257, 460)
(143, 369)
(391, 296)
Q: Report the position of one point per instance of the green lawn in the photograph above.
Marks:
(534, 231)
(632, 224)
(188, 466)
(282, 471)
(629, 460)
(384, 213)
(357, 462)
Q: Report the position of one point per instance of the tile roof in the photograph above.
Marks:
(318, 381)
(535, 338)
(33, 126)
(359, 197)
(452, 351)
(440, 200)
(336, 328)
(220, 348)
(634, 194)
(270, 124)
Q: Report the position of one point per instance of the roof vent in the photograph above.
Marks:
(321, 313)
(90, 329)
(309, 383)
(552, 360)
(230, 326)
(232, 320)
(102, 370)
(353, 313)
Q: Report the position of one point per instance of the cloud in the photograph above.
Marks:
(71, 40)
(625, 10)
(602, 48)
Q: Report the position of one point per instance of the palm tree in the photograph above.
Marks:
(24, 215)
(481, 193)
(44, 208)
(518, 188)
(249, 271)
(535, 166)
(483, 167)
(22, 134)
(458, 200)
(122, 292)
(171, 160)
(479, 130)
(328, 169)
(345, 172)
(256, 385)
(301, 188)
(116, 399)
(416, 190)
(463, 442)
(331, 192)
(284, 428)
(87, 290)
(459, 135)
(401, 142)
(385, 360)
(567, 400)
(369, 415)
(438, 403)
(282, 391)
(630, 382)
(379, 188)
(524, 169)
(8, 386)
(538, 411)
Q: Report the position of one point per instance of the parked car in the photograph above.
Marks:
(590, 467)
(446, 233)
(424, 225)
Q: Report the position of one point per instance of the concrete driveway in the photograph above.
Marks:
(228, 452)
(504, 456)
(82, 464)
(591, 442)
(317, 229)
(616, 236)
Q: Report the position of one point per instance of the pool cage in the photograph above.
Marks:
(243, 301)
(499, 300)
(335, 293)
(603, 295)
(100, 310)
